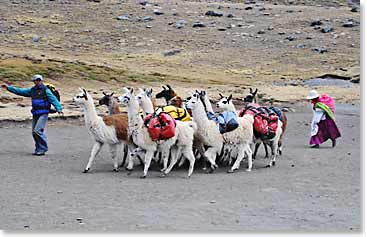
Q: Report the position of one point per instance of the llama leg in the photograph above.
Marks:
(248, 152)
(113, 150)
(240, 155)
(210, 154)
(165, 157)
(255, 152)
(181, 157)
(274, 149)
(96, 148)
(130, 158)
(266, 150)
(188, 154)
(125, 150)
(147, 160)
(174, 158)
(280, 143)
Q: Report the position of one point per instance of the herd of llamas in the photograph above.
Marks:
(199, 138)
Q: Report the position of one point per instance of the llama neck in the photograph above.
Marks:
(208, 105)
(90, 113)
(135, 120)
(199, 114)
(113, 107)
(230, 107)
(147, 106)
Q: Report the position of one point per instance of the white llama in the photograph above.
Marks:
(207, 130)
(111, 130)
(241, 137)
(140, 134)
(184, 131)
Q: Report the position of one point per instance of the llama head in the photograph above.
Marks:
(127, 97)
(144, 96)
(106, 99)
(193, 101)
(167, 93)
(251, 98)
(225, 103)
(83, 98)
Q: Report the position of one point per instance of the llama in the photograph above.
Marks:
(251, 100)
(111, 130)
(111, 102)
(167, 93)
(207, 130)
(114, 108)
(185, 135)
(141, 137)
(241, 137)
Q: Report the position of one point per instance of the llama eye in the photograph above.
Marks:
(224, 102)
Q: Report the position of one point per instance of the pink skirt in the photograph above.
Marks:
(327, 130)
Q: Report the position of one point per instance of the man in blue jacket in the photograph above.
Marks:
(42, 98)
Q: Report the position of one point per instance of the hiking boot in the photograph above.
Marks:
(333, 143)
(315, 146)
(38, 153)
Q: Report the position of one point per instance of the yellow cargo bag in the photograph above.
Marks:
(177, 113)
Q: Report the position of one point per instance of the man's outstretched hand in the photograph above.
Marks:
(4, 86)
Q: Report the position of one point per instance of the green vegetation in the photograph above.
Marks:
(21, 69)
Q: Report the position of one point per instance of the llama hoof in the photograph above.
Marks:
(230, 171)
(143, 176)
(210, 171)
(204, 168)
(268, 166)
(162, 170)
(162, 175)
(128, 169)
(115, 170)
(85, 171)
(248, 170)
(273, 163)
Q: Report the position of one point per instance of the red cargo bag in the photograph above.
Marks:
(160, 126)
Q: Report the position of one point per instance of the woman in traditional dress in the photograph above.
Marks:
(323, 126)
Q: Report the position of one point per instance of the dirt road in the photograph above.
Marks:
(309, 189)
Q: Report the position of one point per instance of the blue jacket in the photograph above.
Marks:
(39, 105)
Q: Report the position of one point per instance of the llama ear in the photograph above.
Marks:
(230, 97)
(255, 92)
(169, 87)
(251, 90)
(124, 89)
(221, 96)
(112, 93)
(164, 88)
(149, 92)
(104, 93)
(85, 94)
(131, 90)
(81, 89)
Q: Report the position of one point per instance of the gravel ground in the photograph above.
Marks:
(309, 190)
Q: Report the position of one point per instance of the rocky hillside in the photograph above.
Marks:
(225, 46)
